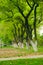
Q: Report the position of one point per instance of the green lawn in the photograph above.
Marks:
(23, 62)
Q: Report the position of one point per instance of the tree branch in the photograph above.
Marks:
(30, 11)
(20, 11)
(28, 3)
(18, 8)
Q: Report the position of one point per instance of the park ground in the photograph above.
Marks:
(17, 52)
(10, 52)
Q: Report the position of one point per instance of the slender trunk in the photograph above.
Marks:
(27, 32)
(34, 45)
(30, 34)
(27, 45)
(35, 23)
(26, 29)
(35, 13)
(20, 44)
(22, 34)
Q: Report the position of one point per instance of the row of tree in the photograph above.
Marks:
(20, 19)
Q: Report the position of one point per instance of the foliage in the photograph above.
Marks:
(16, 23)
(6, 34)
(40, 40)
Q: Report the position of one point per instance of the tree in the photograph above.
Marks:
(23, 14)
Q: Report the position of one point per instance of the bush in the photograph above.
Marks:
(40, 40)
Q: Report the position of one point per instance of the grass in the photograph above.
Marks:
(14, 52)
(23, 62)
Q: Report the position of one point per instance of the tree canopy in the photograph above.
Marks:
(19, 18)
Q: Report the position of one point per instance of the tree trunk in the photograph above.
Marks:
(34, 45)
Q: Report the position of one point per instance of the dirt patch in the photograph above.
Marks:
(4, 53)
